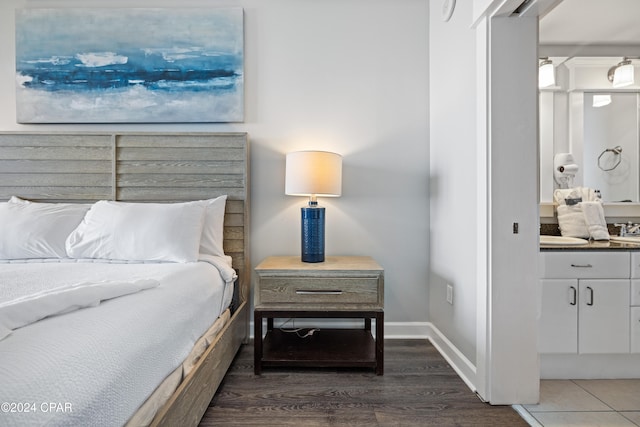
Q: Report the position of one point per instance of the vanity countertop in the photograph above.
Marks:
(593, 245)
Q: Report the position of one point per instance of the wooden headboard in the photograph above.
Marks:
(134, 166)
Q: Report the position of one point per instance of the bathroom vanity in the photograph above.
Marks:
(590, 311)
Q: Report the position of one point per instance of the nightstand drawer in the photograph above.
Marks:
(315, 290)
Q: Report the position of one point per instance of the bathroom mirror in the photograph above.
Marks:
(610, 145)
(599, 125)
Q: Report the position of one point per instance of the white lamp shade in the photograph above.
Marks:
(317, 173)
(546, 74)
(623, 76)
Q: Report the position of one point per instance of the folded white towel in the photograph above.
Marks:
(580, 213)
(561, 195)
(572, 222)
(581, 194)
(594, 218)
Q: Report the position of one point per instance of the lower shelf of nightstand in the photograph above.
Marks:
(325, 348)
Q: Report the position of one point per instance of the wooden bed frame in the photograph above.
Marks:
(148, 167)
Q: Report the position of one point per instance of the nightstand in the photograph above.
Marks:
(340, 287)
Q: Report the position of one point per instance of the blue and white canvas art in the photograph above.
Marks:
(129, 65)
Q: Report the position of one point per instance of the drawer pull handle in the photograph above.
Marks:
(574, 295)
(318, 292)
(590, 302)
(582, 265)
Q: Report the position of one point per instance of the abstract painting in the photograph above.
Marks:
(129, 65)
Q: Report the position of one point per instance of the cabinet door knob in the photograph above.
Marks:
(582, 265)
(590, 301)
(574, 295)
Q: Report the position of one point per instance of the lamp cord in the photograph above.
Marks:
(298, 331)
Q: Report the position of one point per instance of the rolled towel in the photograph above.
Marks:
(572, 222)
(588, 194)
(594, 218)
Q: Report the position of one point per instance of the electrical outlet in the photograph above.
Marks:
(449, 294)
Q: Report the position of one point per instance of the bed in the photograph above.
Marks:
(176, 173)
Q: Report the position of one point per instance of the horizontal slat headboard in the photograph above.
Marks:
(134, 167)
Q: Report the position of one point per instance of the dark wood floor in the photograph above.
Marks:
(418, 388)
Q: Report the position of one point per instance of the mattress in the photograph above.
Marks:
(97, 365)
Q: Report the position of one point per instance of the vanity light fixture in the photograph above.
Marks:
(546, 73)
(621, 75)
(600, 100)
(313, 173)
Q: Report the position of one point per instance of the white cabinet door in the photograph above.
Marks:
(559, 317)
(635, 329)
(603, 316)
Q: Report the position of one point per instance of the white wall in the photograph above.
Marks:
(347, 76)
(453, 177)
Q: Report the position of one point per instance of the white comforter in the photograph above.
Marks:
(38, 301)
(95, 366)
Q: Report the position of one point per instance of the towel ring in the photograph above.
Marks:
(617, 152)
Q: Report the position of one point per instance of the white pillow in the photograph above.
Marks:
(139, 232)
(213, 229)
(16, 199)
(37, 230)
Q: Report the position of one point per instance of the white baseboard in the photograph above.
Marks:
(463, 366)
(408, 330)
(589, 366)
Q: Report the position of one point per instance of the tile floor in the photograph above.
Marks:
(585, 403)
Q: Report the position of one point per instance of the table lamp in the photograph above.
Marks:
(313, 174)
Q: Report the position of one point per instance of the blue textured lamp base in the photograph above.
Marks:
(312, 234)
